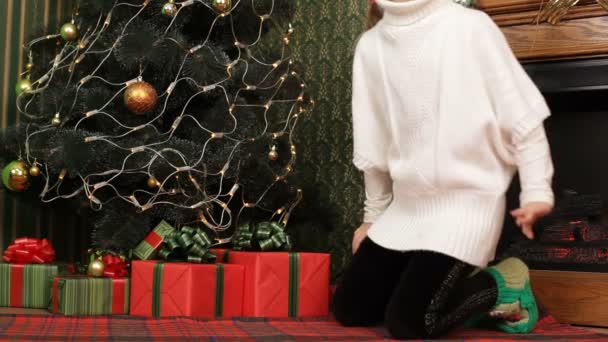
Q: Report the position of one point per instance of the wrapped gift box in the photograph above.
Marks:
(81, 295)
(283, 284)
(183, 289)
(148, 248)
(27, 286)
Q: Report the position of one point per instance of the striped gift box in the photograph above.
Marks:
(27, 286)
(81, 295)
(146, 250)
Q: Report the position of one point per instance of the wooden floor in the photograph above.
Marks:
(599, 330)
(586, 303)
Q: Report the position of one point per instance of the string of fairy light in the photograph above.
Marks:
(141, 98)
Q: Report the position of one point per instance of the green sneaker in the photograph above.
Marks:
(515, 310)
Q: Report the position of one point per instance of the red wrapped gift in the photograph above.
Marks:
(161, 289)
(24, 279)
(283, 284)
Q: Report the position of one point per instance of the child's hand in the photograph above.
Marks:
(360, 235)
(526, 216)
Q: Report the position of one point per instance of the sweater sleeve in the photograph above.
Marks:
(378, 194)
(533, 158)
(370, 129)
(517, 103)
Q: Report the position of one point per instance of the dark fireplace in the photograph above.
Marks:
(575, 236)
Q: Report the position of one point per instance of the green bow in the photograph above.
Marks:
(191, 244)
(266, 236)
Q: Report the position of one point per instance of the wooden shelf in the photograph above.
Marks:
(573, 297)
(583, 32)
(494, 7)
(531, 16)
(573, 38)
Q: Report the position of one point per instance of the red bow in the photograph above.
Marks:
(29, 251)
(115, 267)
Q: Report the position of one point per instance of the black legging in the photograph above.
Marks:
(417, 294)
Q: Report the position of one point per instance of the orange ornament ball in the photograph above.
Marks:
(140, 97)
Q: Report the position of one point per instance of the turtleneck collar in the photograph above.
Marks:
(409, 12)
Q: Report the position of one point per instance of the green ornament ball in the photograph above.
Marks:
(69, 32)
(23, 86)
(169, 9)
(16, 177)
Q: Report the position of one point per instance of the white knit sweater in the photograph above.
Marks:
(442, 106)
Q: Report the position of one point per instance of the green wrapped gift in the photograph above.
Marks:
(27, 286)
(81, 295)
(146, 250)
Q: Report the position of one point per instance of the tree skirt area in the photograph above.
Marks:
(124, 328)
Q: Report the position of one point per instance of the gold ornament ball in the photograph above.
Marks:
(69, 32)
(96, 268)
(140, 97)
(15, 176)
(169, 9)
(34, 171)
(273, 154)
(222, 5)
(29, 66)
(56, 120)
(153, 182)
(23, 86)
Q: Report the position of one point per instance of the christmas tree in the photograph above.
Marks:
(150, 110)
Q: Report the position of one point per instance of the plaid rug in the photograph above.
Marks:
(125, 328)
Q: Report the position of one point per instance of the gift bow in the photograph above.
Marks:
(29, 251)
(115, 266)
(189, 243)
(267, 235)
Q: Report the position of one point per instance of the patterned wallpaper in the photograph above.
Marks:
(324, 43)
(23, 215)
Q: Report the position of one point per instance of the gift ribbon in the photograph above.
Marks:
(56, 294)
(153, 239)
(294, 284)
(190, 244)
(226, 256)
(157, 283)
(115, 266)
(267, 236)
(16, 287)
(119, 289)
(219, 290)
(29, 251)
